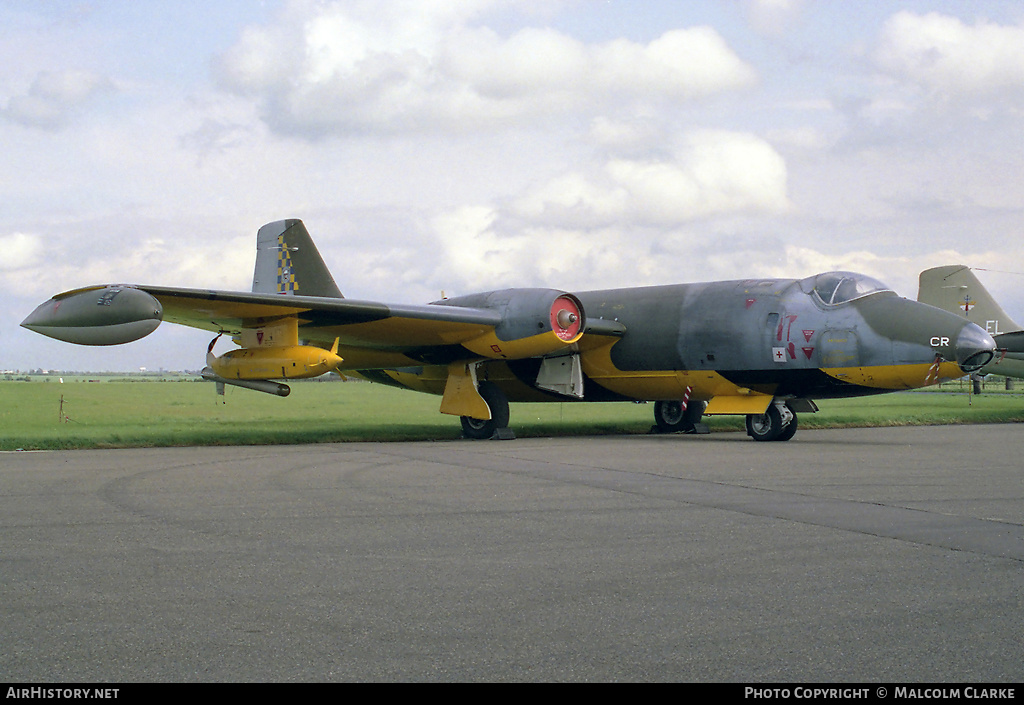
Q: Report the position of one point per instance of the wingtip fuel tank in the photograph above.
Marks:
(110, 315)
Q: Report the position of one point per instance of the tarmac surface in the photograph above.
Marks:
(884, 555)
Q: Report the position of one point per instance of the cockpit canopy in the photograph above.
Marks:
(835, 288)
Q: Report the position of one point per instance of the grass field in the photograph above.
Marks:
(118, 413)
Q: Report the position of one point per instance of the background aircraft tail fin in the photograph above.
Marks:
(954, 288)
(287, 262)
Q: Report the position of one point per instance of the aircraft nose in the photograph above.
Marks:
(974, 348)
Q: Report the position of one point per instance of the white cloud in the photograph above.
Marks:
(810, 139)
(477, 254)
(337, 68)
(638, 133)
(532, 61)
(575, 229)
(773, 17)
(947, 56)
(712, 172)
(20, 250)
(802, 259)
(54, 97)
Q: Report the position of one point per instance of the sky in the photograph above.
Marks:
(434, 146)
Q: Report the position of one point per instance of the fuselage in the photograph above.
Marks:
(834, 335)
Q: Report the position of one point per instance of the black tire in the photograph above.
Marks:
(766, 426)
(498, 404)
(671, 417)
(789, 431)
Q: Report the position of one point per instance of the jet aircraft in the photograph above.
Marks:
(761, 348)
(955, 288)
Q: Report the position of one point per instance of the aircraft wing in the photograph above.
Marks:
(369, 324)
(505, 324)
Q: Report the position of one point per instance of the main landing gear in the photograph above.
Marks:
(777, 423)
(495, 427)
(674, 417)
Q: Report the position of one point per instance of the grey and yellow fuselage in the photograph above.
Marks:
(738, 345)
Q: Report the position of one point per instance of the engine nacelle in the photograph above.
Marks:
(109, 315)
(287, 362)
(534, 322)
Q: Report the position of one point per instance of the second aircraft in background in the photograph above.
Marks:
(956, 289)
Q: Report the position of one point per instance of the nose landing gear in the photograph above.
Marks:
(777, 423)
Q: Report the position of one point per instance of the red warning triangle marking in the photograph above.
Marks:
(808, 334)
(751, 302)
(808, 352)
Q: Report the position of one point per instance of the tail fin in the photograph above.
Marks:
(955, 288)
(287, 262)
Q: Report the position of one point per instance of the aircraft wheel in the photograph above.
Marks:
(789, 431)
(477, 428)
(769, 425)
(671, 417)
(498, 404)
